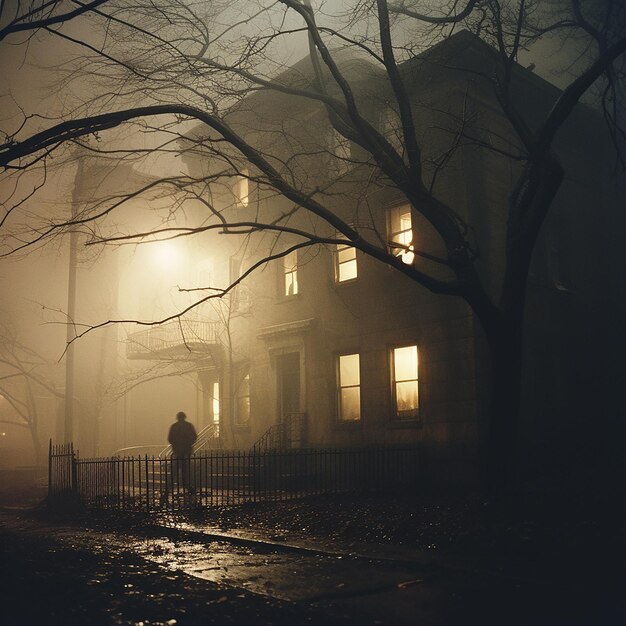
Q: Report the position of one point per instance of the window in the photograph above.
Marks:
(241, 189)
(401, 233)
(405, 381)
(345, 263)
(349, 387)
(215, 406)
(290, 272)
(242, 405)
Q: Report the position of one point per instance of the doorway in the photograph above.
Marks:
(288, 369)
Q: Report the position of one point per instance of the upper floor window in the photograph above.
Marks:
(405, 383)
(349, 387)
(345, 263)
(401, 233)
(242, 189)
(290, 273)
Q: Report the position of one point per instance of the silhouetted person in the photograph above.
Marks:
(182, 436)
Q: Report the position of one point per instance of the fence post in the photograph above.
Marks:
(147, 487)
(50, 469)
(74, 471)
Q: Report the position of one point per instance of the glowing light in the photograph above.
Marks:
(166, 254)
(405, 366)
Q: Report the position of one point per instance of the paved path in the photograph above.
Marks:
(64, 574)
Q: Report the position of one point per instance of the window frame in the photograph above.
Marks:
(396, 414)
(238, 396)
(293, 272)
(395, 233)
(241, 189)
(339, 388)
(340, 247)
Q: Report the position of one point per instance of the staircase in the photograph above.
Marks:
(287, 434)
(208, 437)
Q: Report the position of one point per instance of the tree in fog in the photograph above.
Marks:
(184, 72)
(27, 387)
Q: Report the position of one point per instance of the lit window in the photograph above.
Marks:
(242, 407)
(405, 381)
(241, 190)
(290, 271)
(345, 263)
(349, 387)
(215, 406)
(401, 234)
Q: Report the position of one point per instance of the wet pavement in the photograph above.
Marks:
(141, 572)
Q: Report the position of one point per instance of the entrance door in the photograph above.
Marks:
(288, 383)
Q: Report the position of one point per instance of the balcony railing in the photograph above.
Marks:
(175, 338)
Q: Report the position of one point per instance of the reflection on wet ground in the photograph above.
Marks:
(264, 571)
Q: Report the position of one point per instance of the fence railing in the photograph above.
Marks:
(220, 478)
(61, 470)
(177, 333)
(290, 432)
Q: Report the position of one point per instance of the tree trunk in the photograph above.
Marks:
(501, 455)
(36, 444)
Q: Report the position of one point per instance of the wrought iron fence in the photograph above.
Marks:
(220, 478)
(61, 470)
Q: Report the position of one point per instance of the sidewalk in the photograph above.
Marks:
(457, 545)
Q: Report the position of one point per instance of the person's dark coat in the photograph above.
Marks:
(182, 436)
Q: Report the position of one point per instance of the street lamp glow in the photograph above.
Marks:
(166, 254)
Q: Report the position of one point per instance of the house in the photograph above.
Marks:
(326, 347)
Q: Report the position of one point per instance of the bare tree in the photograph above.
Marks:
(25, 376)
(167, 65)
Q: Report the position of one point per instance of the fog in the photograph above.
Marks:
(127, 378)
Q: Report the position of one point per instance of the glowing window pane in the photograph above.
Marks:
(242, 189)
(407, 396)
(290, 268)
(346, 263)
(350, 404)
(216, 404)
(347, 271)
(405, 363)
(349, 370)
(405, 383)
(349, 387)
(401, 232)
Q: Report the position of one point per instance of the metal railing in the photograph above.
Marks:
(221, 478)
(61, 470)
(289, 433)
(171, 335)
(208, 437)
